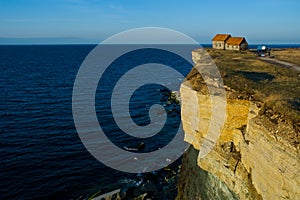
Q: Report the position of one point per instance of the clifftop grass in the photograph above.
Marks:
(275, 87)
(288, 55)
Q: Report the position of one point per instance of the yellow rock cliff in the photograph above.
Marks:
(250, 155)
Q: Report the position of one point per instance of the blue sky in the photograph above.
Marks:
(90, 21)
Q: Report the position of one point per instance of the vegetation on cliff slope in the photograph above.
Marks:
(275, 88)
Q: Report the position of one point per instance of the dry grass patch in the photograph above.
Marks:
(288, 55)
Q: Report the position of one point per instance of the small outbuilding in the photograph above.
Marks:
(219, 41)
(236, 43)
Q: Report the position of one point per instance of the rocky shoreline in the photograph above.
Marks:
(160, 185)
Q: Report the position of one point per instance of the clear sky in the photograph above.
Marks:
(90, 21)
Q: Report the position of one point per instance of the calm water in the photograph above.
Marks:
(41, 154)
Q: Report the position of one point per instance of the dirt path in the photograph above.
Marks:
(281, 63)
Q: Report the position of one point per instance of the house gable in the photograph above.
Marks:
(235, 40)
(221, 37)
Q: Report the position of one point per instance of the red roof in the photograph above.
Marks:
(221, 37)
(235, 40)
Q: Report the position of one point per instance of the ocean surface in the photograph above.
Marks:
(42, 156)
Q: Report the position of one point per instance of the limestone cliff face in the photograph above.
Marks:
(250, 157)
(196, 183)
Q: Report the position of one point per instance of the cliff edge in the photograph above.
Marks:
(257, 153)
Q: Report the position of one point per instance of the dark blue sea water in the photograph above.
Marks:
(41, 154)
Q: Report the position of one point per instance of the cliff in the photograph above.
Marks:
(256, 155)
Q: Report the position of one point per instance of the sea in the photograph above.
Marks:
(42, 156)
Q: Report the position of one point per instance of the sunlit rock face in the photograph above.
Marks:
(250, 157)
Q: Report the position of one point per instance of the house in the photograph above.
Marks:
(219, 41)
(225, 41)
(236, 43)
